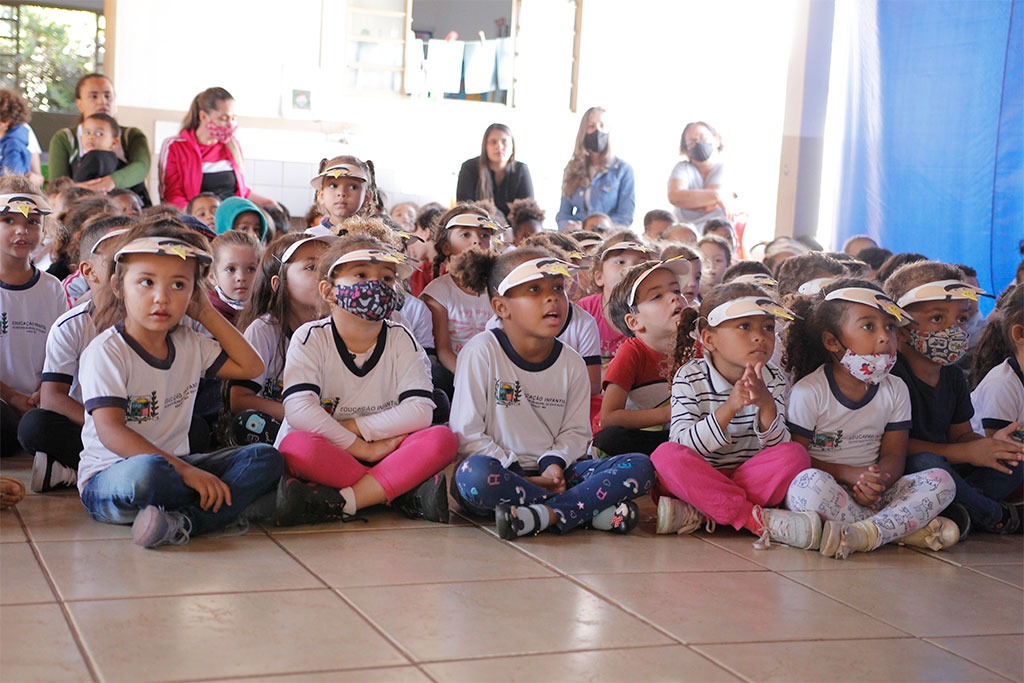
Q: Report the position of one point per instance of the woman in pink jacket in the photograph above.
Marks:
(205, 156)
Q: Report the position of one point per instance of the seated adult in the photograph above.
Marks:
(205, 156)
(595, 180)
(697, 184)
(495, 174)
(94, 94)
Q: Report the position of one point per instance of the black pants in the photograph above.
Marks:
(620, 440)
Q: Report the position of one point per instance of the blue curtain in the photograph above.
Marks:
(933, 147)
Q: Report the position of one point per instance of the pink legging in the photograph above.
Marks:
(728, 495)
(423, 454)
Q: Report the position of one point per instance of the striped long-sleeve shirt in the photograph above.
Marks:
(697, 390)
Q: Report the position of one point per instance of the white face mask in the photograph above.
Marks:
(871, 369)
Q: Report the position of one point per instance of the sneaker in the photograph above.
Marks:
(937, 534)
(303, 502)
(1011, 521)
(958, 514)
(625, 517)
(795, 529)
(679, 517)
(427, 501)
(49, 475)
(509, 524)
(839, 539)
(155, 526)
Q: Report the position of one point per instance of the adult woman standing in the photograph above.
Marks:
(595, 180)
(697, 184)
(495, 174)
(205, 156)
(94, 94)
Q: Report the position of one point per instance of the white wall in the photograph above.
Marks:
(654, 64)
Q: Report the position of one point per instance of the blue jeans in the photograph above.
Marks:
(118, 493)
(979, 489)
(590, 486)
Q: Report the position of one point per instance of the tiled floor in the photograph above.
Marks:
(395, 600)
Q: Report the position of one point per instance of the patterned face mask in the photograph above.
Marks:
(944, 347)
(872, 368)
(370, 300)
(220, 133)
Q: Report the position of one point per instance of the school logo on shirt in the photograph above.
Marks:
(506, 394)
(142, 408)
(272, 388)
(827, 441)
(3, 323)
(330, 404)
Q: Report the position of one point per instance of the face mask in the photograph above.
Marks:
(597, 141)
(370, 300)
(220, 133)
(944, 347)
(700, 151)
(872, 368)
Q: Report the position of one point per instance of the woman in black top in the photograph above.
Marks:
(495, 174)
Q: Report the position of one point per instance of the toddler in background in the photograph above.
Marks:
(238, 213)
(692, 281)
(101, 153)
(730, 460)
(15, 159)
(345, 186)
(527, 218)
(717, 258)
(204, 207)
(236, 258)
(998, 396)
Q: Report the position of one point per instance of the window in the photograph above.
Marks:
(44, 51)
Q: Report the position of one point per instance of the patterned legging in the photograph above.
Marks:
(906, 506)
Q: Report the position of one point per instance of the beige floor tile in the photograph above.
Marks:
(649, 664)
(460, 620)
(923, 601)
(61, 517)
(119, 569)
(10, 527)
(903, 659)
(36, 645)
(1002, 654)
(981, 548)
(244, 634)
(24, 580)
(735, 607)
(1012, 574)
(378, 558)
(781, 558)
(394, 674)
(599, 552)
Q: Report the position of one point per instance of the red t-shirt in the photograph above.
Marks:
(611, 338)
(642, 372)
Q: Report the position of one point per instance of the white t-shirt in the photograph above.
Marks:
(842, 431)
(26, 313)
(379, 389)
(265, 336)
(416, 317)
(999, 398)
(467, 313)
(579, 333)
(65, 344)
(512, 410)
(157, 395)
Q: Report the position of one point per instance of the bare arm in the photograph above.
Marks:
(967, 447)
(442, 338)
(614, 413)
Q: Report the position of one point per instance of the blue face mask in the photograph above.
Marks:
(370, 300)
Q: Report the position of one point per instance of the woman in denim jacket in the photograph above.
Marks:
(595, 180)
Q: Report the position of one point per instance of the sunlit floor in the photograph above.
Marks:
(395, 600)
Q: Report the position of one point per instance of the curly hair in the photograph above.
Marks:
(440, 233)
(484, 270)
(524, 210)
(996, 344)
(14, 110)
(745, 268)
(804, 351)
(896, 261)
(917, 273)
(796, 270)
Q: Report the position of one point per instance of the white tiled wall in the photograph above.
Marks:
(285, 181)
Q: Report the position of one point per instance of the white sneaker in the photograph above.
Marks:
(939, 533)
(679, 517)
(48, 474)
(795, 529)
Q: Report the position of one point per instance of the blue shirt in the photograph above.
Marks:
(611, 192)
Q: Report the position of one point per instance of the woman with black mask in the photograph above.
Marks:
(697, 184)
(595, 180)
